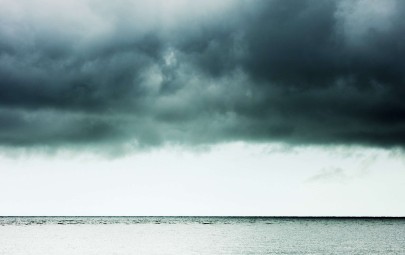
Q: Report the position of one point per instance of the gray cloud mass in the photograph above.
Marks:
(300, 72)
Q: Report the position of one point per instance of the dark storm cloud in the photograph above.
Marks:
(304, 72)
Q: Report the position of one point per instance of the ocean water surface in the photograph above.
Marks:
(200, 235)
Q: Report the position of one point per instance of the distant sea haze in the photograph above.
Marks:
(201, 235)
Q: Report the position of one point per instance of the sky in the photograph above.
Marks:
(176, 107)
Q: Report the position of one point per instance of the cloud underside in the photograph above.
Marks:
(300, 72)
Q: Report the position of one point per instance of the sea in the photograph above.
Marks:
(200, 235)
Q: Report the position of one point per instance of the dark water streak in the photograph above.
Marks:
(206, 220)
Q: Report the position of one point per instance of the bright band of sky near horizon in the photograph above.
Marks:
(229, 179)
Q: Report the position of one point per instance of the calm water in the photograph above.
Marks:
(200, 235)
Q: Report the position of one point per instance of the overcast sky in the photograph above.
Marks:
(204, 107)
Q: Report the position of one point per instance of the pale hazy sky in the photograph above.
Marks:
(204, 107)
(227, 179)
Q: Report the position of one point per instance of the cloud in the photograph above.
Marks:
(156, 72)
(329, 175)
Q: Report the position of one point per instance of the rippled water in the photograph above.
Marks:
(200, 235)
